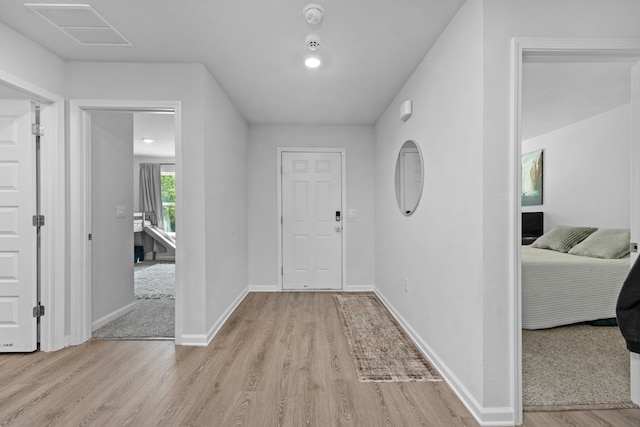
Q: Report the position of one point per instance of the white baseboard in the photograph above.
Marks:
(359, 288)
(222, 319)
(264, 288)
(484, 416)
(194, 340)
(112, 316)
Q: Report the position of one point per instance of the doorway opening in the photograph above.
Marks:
(158, 242)
(133, 254)
(583, 60)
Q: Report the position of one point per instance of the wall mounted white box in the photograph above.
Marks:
(406, 109)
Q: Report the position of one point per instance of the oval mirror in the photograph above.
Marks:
(409, 178)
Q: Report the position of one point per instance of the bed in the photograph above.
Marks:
(142, 223)
(560, 288)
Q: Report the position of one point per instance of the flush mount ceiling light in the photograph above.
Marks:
(148, 140)
(312, 61)
(313, 13)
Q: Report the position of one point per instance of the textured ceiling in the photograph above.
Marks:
(157, 126)
(557, 94)
(254, 48)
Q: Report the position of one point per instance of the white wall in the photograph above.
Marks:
(503, 20)
(263, 220)
(225, 177)
(462, 263)
(111, 186)
(204, 110)
(439, 247)
(586, 171)
(29, 62)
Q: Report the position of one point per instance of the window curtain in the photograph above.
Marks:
(151, 200)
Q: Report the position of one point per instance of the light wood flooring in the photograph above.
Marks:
(280, 360)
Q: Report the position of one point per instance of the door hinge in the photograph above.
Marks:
(38, 220)
(38, 311)
(633, 247)
(37, 129)
(90, 237)
(282, 271)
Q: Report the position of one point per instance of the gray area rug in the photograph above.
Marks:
(575, 367)
(150, 318)
(155, 281)
(380, 349)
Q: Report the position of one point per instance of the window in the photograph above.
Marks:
(168, 177)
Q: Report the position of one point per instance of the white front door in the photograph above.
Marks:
(18, 327)
(312, 220)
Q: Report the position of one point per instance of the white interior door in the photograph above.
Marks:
(635, 203)
(18, 327)
(312, 220)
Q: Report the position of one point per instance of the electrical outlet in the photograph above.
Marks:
(406, 284)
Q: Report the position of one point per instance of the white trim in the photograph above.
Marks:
(215, 328)
(264, 288)
(79, 208)
(343, 152)
(610, 48)
(36, 92)
(53, 249)
(360, 288)
(484, 416)
(112, 316)
(202, 340)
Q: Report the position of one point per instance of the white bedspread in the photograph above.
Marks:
(560, 289)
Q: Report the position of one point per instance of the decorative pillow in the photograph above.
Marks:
(604, 243)
(562, 238)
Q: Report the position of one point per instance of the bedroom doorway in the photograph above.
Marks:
(603, 64)
(133, 254)
(82, 319)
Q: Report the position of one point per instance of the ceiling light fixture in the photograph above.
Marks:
(313, 13)
(312, 61)
(147, 140)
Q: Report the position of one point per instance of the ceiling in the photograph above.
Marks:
(255, 49)
(160, 127)
(556, 94)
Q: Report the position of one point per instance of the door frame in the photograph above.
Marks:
(520, 47)
(343, 153)
(52, 191)
(80, 206)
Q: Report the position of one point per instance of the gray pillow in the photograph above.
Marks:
(604, 243)
(563, 237)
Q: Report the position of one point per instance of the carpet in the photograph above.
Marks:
(150, 318)
(380, 349)
(155, 281)
(575, 367)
